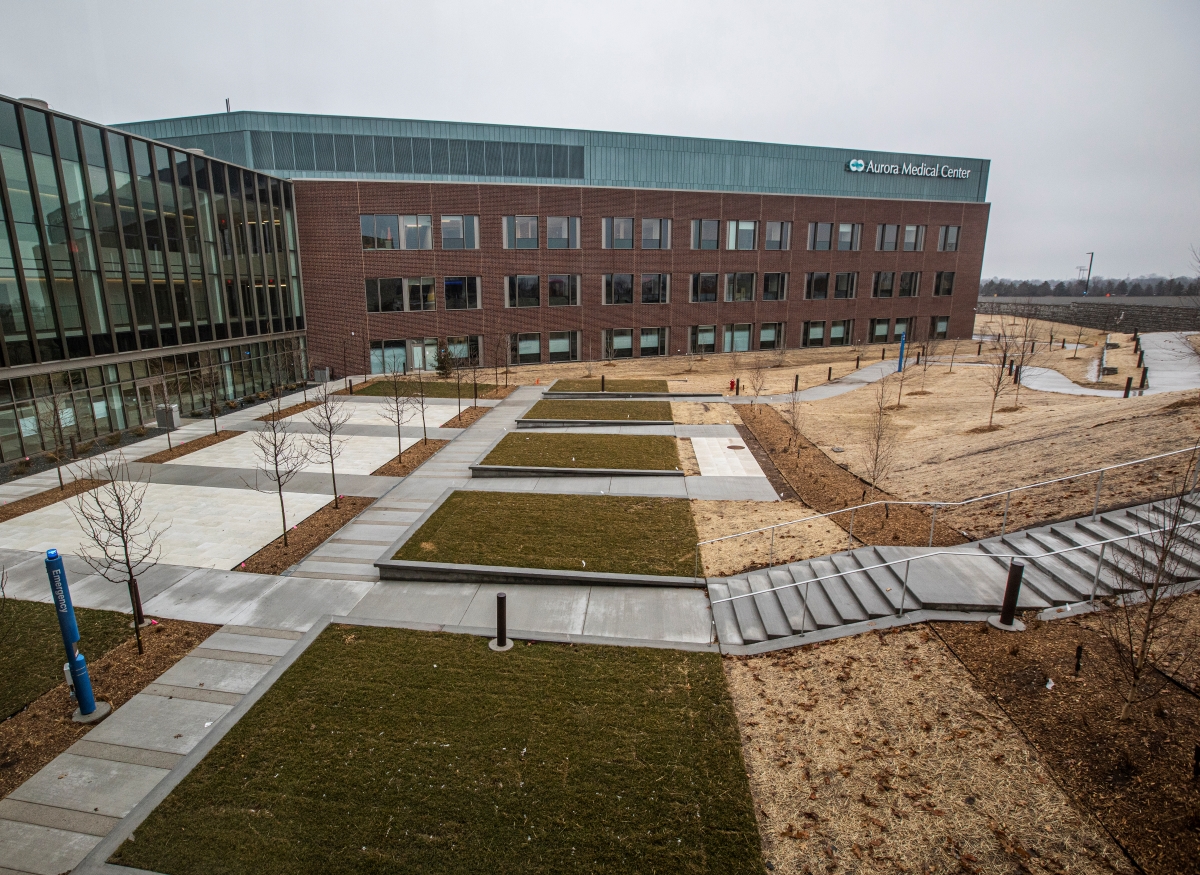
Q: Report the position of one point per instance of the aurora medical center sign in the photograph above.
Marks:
(944, 171)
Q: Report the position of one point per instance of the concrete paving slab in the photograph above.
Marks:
(87, 822)
(297, 603)
(248, 644)
(214, 674)
(724, 457)
(708, 431)
(154, 722)
(441, 604)
(730, 489)
(360, 454)
(86, 784)
(42, 850)
(27, 580)
(547, 608)
(208, 596)
(369, 413)
(657, 487)
(95, 591)
(651, 613)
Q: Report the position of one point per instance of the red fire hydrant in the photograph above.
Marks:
(732, 384)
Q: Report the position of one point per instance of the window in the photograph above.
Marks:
(739, 287)
(564, 291)
(564, 346)
(656, 233)
(387, 357)
(520, 232)
(562, 232)
(820, 235)
(943, 283)
(462, 293)
(525, 349)
(886, 238)
(654, 288)
(816, 286)
(618, 234)
(737, 337)
(914, 238)
(618, 288)
(948, 238)
(618, 343)
(703, 339)
(465, 349)
(422, 354)
(416, 232)
(704, 288)
(522, 291)
(840, 331)
(885, 281)
(902, 328)
(705, 233)
(653, 342)
(814, 334)
(418, 293)
(879, 331)
(770, 335)
(778, 235)
(849, 237)
(845, 285)
(460, 232)
(774, 287)
(741, 234)
(380, 232)
(910, 284)
(939, 327)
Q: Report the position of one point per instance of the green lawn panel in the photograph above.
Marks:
(549, 408)
(624, 451)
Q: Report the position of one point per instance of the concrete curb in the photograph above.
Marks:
(530, 471)
(851, 629)
(447, 572)
(588, 423)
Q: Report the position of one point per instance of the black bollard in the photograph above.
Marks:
(602, 382)
(829, 376)
(1010, 367)
(857, 361)
(350, 384)
(1145, 378)
(1064, 343)
(737, 387)
(918, 357)
(501, 619)
(883, 354)
(796, 384)
(1128, 386)
(1078, 659)
(1141, 358)
(980, 350)
(1012, 589)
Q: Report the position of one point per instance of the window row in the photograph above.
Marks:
(562, 232)
(412, 294)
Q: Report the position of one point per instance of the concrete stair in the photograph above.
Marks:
(861, 588)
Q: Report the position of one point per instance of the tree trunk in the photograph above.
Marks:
(333, 475)
(992, 412)
(283, 516)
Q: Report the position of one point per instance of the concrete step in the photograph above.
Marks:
(789, 599)
(887, 582)
(839, 592)
(748, 620)
(1140, 554)
(728, 631)
(1080, 562)
(1113, 574)
(864, 588)
(1054, 580)
(820, 610)
(769, 609)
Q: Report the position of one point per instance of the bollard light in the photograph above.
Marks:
(501, 642)
(76, 668)
(1007, 619)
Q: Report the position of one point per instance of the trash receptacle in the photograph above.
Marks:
(322, 375)
(167, 416)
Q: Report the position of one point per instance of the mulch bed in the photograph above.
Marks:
(1136, 776)
(778, 482)
(826, 486)
(413, 458)
(190, 447)
(467, 418)
(30, 503)
(33, 737)
(275, 558)
(288, 411)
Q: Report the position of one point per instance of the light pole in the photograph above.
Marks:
(1088, 284)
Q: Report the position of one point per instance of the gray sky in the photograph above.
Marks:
(1089, 111)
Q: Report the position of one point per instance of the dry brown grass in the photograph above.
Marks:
(876, 754)
(704, 413)
(687, 458)
(715, 519)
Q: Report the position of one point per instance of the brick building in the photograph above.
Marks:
(534, 245)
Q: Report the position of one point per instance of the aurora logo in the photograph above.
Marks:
(943, 171)
(857, 165)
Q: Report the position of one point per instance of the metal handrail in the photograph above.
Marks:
(1007, 493)
(906, 562)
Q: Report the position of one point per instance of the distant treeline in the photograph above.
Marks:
(1143, 286)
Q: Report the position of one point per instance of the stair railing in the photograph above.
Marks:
(908, 560)
(938, 505)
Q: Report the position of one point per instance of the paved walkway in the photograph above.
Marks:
(1172, 364)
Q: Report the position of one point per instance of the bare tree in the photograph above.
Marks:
(1027, 335)
(1147, 626)
(953, 352)
(50, 420)
(328, 418)
(932, 347)
(757, 378)
(878, 451)
(281, 456)
(793, 415)
(459, 365)
(121, 540)
(993, 372)
(399, 405)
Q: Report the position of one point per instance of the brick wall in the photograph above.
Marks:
(335, 265)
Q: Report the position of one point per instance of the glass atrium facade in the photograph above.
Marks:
(133, 273)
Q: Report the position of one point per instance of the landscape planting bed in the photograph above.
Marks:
(392, 750)
(593, 533)
(596, 411)
(608, 451)
(592, 384)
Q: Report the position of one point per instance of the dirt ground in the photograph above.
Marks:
(277, 557)
(942, 455)
(468, 417)
(704, 413)
(876, 754)
(35, 736)
(413, 458)
(715, 519)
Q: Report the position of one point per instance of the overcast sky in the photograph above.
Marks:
(1089, 111)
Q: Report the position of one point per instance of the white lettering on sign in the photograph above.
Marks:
(943, 171)
(60, 600)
